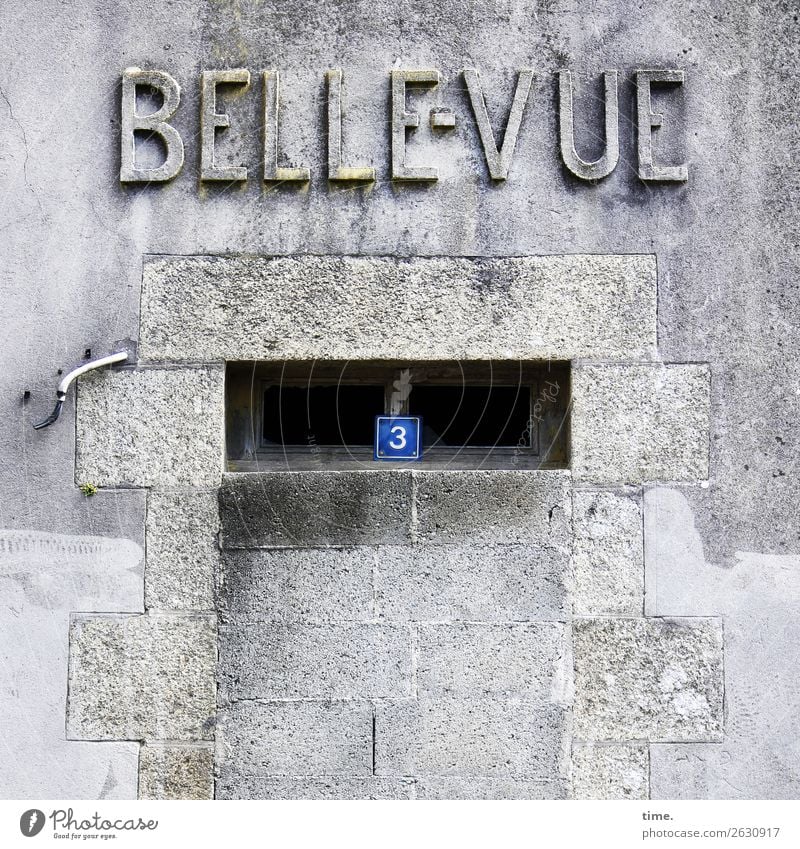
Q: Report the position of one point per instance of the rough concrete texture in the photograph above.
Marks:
(141, 678)
(476, 737)
(648, 679)
(176, 772)
(315, 661)
(181, 537)
(444, 787)
(298, 585)
(610, 771)
(488, 507)
(529, 662)
(154, 427)
(607, 555)
(322, 787)
(725, 243)
(301, 509)
(257, 739)
(640, 423)
(207, 309)
(758, 596)
(489, 583)
(317, 626)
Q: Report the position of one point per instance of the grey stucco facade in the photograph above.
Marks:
(620, 628)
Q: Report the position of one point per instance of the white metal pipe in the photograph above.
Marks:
(119, 357)
(61, 391)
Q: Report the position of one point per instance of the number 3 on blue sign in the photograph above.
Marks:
(398, 438)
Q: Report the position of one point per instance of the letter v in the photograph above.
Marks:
(499, 162)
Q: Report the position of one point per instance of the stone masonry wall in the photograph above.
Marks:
(389, 633)
(411, 638)
(184, 268)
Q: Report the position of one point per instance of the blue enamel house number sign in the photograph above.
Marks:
(398, 438)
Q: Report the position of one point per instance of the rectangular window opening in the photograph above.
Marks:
(313, 415)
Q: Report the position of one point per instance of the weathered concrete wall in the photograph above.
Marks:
(414, 683)
(721, 539)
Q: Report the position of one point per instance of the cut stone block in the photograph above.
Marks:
(302, 509)
(141, 678)
(182, 550)
(610, 771)
(493, 507)
(478, 737)
(316, 787)
(262, 660)
(176, 772)
(440, 787)
(478, 582)
(291, 585)
(249, 308)
(530, 662)
(608, 555)
(648, 679)
(151, 427)
(294, 738)
(639, 423)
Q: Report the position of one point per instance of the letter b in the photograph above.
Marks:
(155, 123)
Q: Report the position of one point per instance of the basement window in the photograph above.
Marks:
(307, 415)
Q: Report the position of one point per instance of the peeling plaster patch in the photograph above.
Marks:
(42, 549)
(44, 577)
(758, 599)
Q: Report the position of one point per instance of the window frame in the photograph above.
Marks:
(264, 454)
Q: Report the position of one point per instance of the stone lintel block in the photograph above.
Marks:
(249, 308)
(155, 427)
(295, 584)
(648, 679)
(266, 660)
(182, 554)
(493, 507)
(444, 787)
(317, 787)
(176, 772)
(292, 738)
(519, 661)
(637, 423)
(608, 554)
(141, 677)
(610, 771)
(478, 582)
(476, 737)
(302, 509)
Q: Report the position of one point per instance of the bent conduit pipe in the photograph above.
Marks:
(61, 391)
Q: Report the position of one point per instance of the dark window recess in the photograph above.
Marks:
(338, 415)
(473, 416)
(476, 414)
